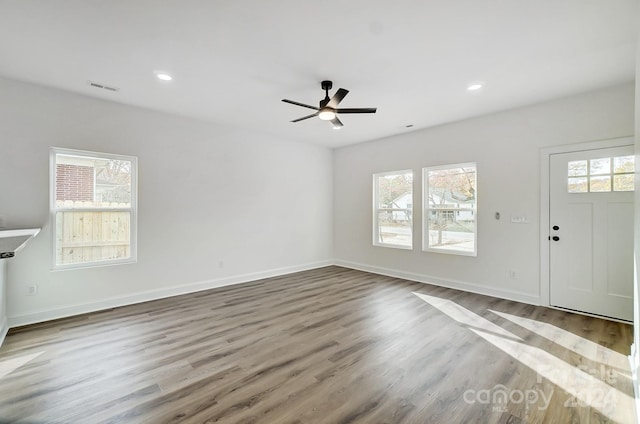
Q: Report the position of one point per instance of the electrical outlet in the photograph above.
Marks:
(32, 290)
(513, 275)
(220, 264)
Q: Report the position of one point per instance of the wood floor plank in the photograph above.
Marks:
(330, 345)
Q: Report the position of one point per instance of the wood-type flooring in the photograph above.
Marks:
(330, 345)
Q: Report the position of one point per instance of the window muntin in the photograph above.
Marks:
(601, 175)
(393, 209)
(93, 208)
(450, 208)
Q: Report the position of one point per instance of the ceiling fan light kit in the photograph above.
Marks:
(326, 114)
(328, 109)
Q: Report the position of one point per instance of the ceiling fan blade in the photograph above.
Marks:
(305, 117)
(299, 104)
(337, 123)
(337, 98)
(357, 110)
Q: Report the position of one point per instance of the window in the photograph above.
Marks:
(601, 175)
(449, 202)
(93, 208)
(393, 209)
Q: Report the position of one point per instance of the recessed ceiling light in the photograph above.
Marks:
(474, 87)
(164, 77)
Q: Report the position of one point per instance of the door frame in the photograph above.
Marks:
(545, 204)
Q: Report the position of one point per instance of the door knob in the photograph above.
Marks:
(555, 238)
(556, 228)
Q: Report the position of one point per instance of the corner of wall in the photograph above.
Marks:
(4, 329)
(635, 348)
(634, 360)
(4, 325)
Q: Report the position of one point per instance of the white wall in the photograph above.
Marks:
(207, 193)
(506, 147)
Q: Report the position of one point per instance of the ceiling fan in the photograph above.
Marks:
(328, 109)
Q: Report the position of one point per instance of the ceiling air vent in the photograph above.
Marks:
(102, 86)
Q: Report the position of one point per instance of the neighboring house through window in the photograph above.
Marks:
(93, 208)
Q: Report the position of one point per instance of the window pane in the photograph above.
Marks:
(600, 184)
(394, 227)
(577, 168)
(395, 191)
(86, 182)
(600, 166)
(92, 236)
(577, 185)
(623, 164)
(452, 230)
(623, 182)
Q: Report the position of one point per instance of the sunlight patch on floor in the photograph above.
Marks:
(568, 340)
(583, 386)
(586, 389)
(10, 365)
(465, 316)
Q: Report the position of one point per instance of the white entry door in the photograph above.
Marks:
(591, 231)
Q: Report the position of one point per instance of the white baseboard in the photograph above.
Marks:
(451, 284)
(70, 310)
(4, 328)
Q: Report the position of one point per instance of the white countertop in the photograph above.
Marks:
(12, 241)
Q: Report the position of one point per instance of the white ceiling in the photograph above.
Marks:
(234, 60)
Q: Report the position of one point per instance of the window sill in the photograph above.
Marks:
(393, 246)
(70, 267)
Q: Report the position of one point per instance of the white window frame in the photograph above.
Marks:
(377, 209)
(133, 210)
(426, 211)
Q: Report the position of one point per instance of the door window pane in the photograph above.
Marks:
(600, 166)
(577, 168)
(600, 184)
(578, 185)
(624, 164)
(623, 182)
